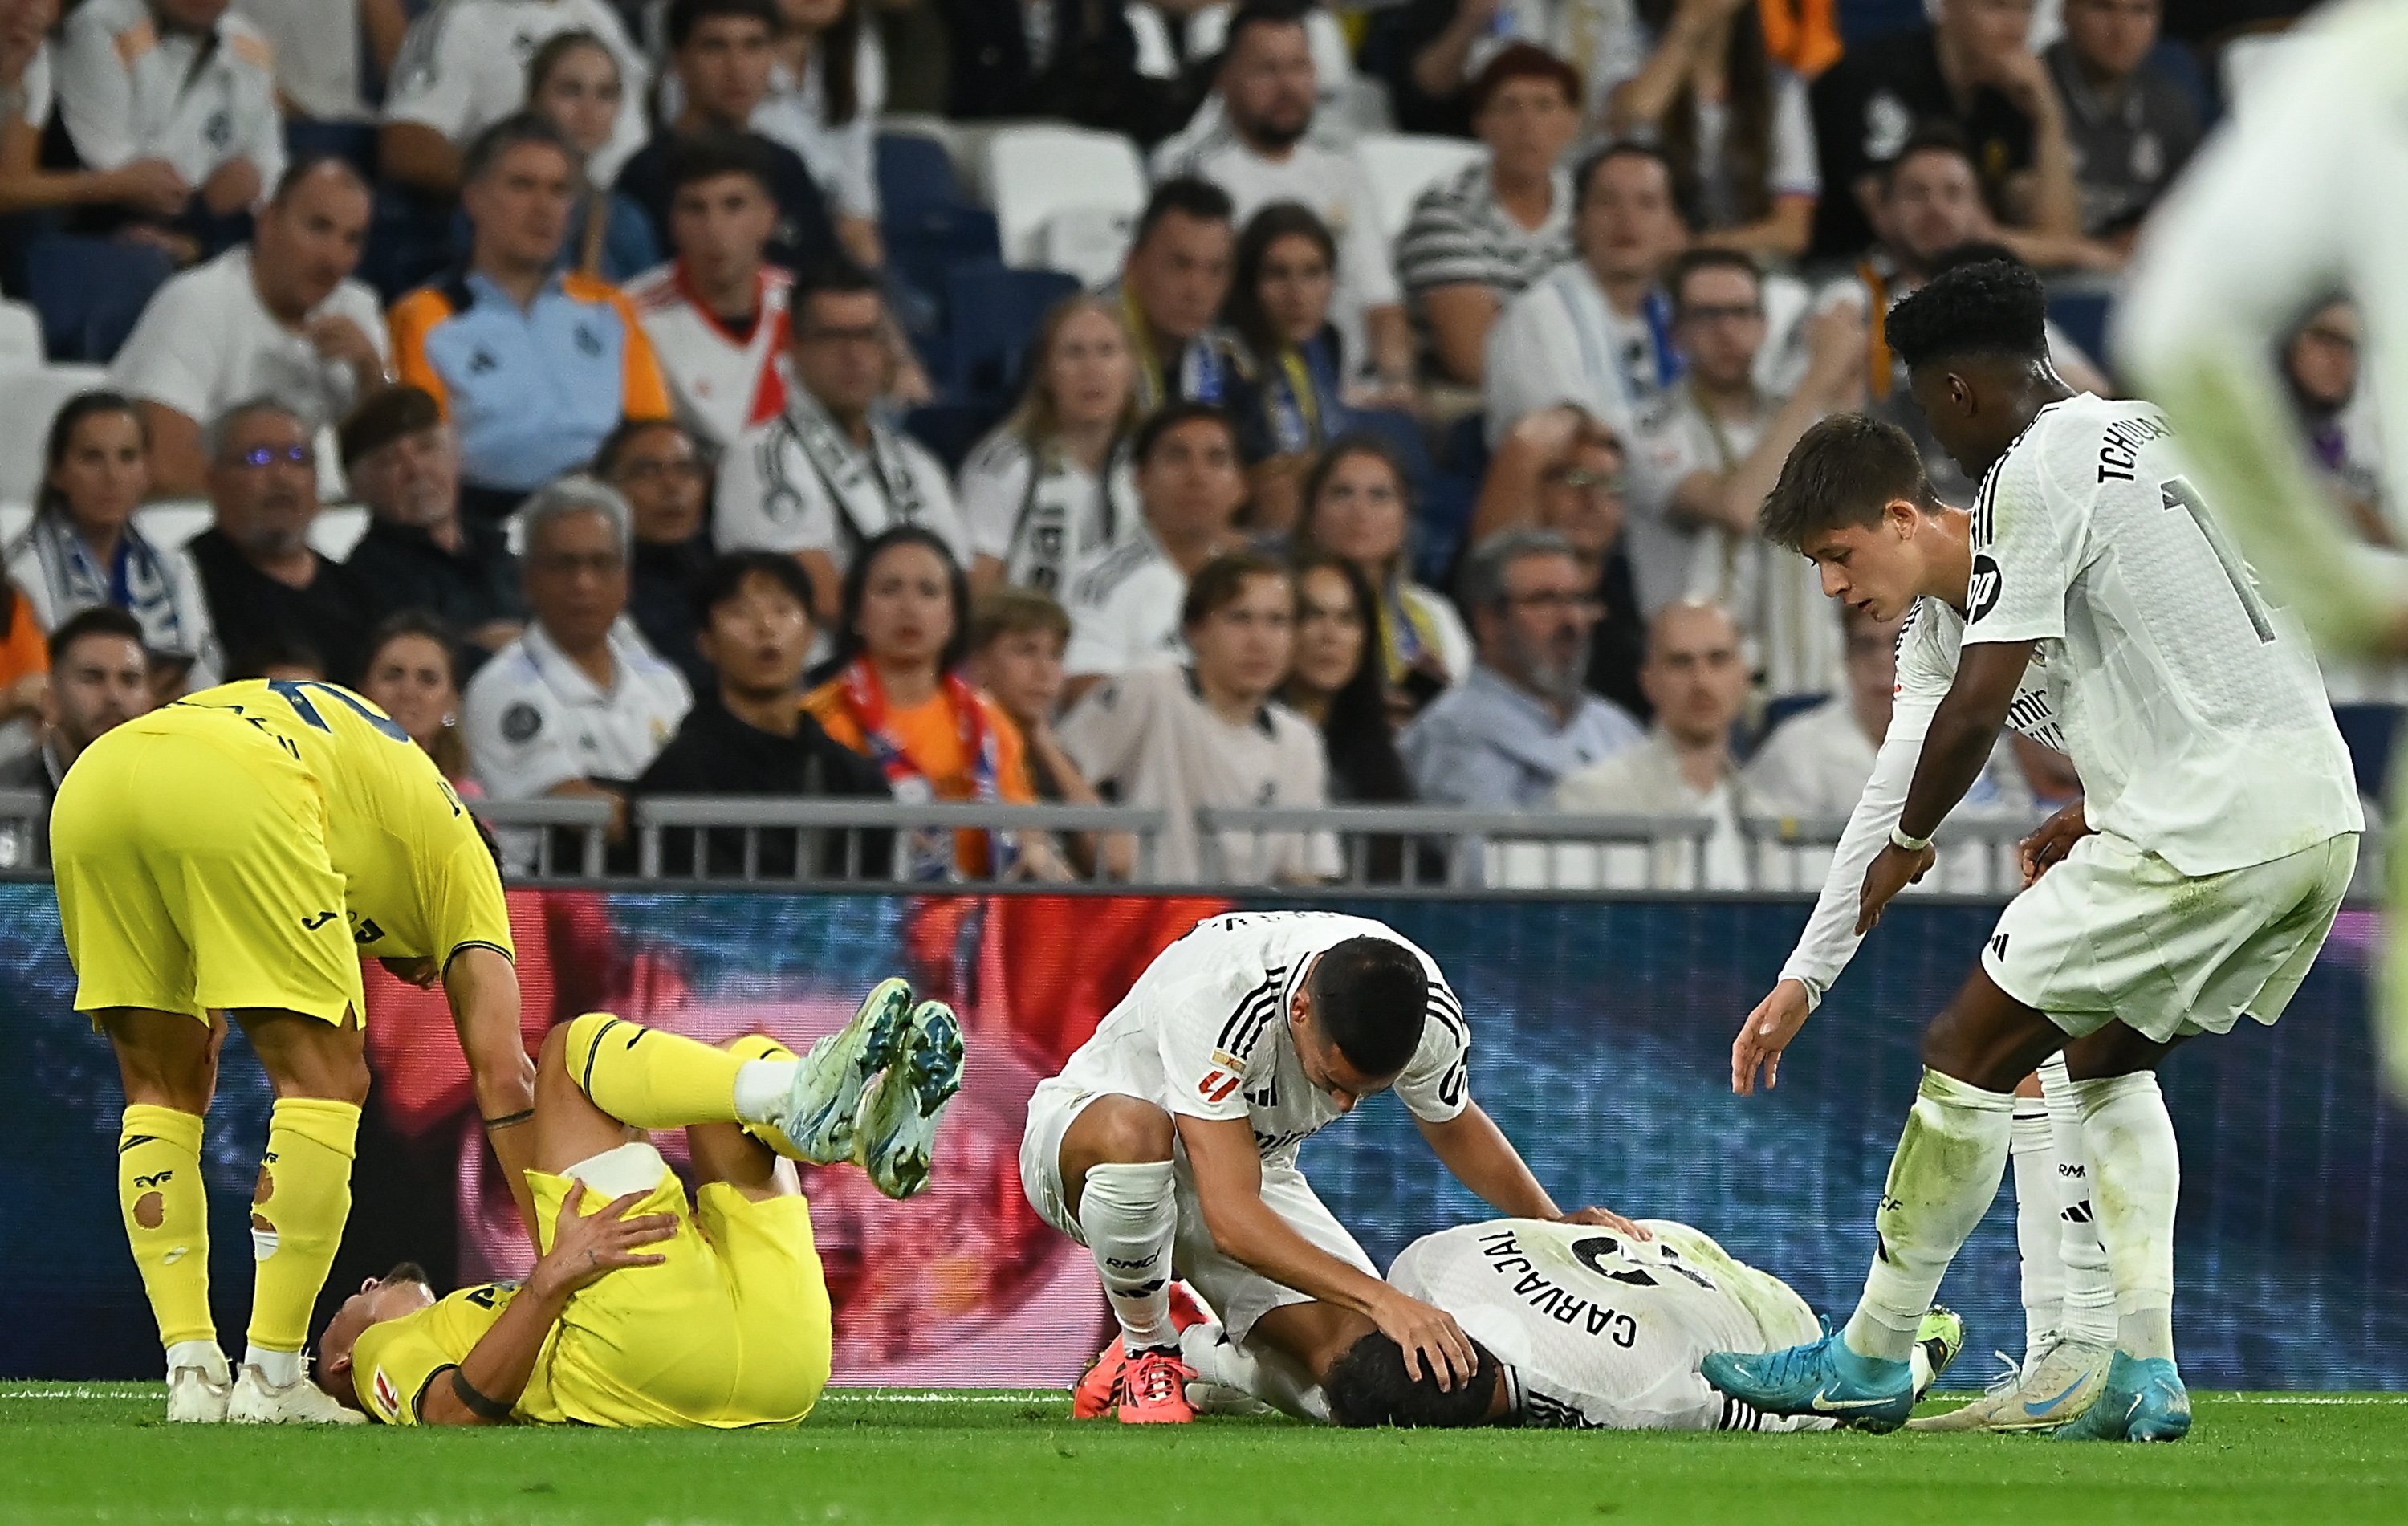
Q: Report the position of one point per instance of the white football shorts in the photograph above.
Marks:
(2115, 932)
(1237, 1292)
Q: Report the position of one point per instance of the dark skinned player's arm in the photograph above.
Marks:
(1963, 730)
(482, 987)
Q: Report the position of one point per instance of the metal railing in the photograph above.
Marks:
(837, 844)
(704, 825)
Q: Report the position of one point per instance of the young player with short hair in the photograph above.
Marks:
(1168, 1146)
(2194, 882)
(2069, 1297)
(728, 1322)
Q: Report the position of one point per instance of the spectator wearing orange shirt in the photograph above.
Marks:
(893, 696)
(532, 365)
(24, 672)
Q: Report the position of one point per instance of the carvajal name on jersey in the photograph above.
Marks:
(1504, 1251)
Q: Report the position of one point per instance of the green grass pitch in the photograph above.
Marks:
(97, 1452)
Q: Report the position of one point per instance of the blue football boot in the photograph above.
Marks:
(1823, 1379)
(2144, 1401)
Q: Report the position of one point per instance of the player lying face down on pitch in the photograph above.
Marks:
(645, 1308)
(1168, 1146)
(1580, 1327)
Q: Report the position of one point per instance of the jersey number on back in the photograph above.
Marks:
(2177, 493)
(1635, 1265)
(295, 692)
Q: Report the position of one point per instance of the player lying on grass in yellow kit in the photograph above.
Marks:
(233, 856)
(646, 1309)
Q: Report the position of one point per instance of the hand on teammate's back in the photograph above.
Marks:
(1766, 1033)
(585, 1246)
(1606, 1218)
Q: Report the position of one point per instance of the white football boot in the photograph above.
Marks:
(2053, 1390)
(257, 1402)
(197, 1394)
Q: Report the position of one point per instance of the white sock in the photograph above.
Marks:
(1129, 1217)
(2088, 1312)
(205, 1355)
(280, 1368)
(2138, 1183)
(1942, 1180)
(761, 1087)
(1256, 1371)
(2037, 1233)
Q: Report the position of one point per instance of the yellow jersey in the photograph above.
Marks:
(419, 881)
(395, 1362)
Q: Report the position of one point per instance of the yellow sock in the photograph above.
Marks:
(297, 1220)
(166, 1213)
(648, 1078)
(761, 1046)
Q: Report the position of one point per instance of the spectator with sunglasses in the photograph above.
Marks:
(266, 586)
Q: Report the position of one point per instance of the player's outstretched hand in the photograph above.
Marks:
(1427, 1334)
(2055, 839)
(1766, 1033)
(584, 1247)
(1608, 1219)
(1885, 876)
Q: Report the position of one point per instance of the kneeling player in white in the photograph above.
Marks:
(1584, 1328)
(1170, 1141)
(2068, 1295)
(2196, 882)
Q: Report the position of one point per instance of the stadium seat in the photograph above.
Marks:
(1037, 171)
(951, 429)
(14, 517)
(992, 313)
(1782, 708)
(91, 291)
(1442, 516)
(915, 174)
(168, 525)
(1089, 242)
(335, 531)
(2370, 730)
(20, 335)
(1402, 165)
(2084, 313)
(29, 399)
(353, 142)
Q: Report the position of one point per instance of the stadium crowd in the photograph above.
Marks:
(594, 309)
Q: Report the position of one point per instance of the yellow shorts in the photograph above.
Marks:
(732, 1329)
(192, 874)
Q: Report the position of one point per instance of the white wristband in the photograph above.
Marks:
(1913, 845)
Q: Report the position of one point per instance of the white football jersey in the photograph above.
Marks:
(2191, 707)
(1204, 1031)
(1600, 1332)
(725, 382)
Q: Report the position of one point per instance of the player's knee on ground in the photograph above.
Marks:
(1369, 1386)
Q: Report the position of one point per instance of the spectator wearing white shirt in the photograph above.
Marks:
(1124, 604)
(330, 54)
(718, 314)
(1259, 152)
(1177, 737)
(1736, 127)
(1598, 331)
(824, 477)
(462, 68)
(175, 80)
(1697, 678)
(27, 97)
(1054, 486)
(579, 704)
(1520, 720)
(1705, 456)
(83, 548)
(280, 317)
(1479, 240)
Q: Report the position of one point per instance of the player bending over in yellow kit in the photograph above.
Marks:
(647, 1309)
(233, 856)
